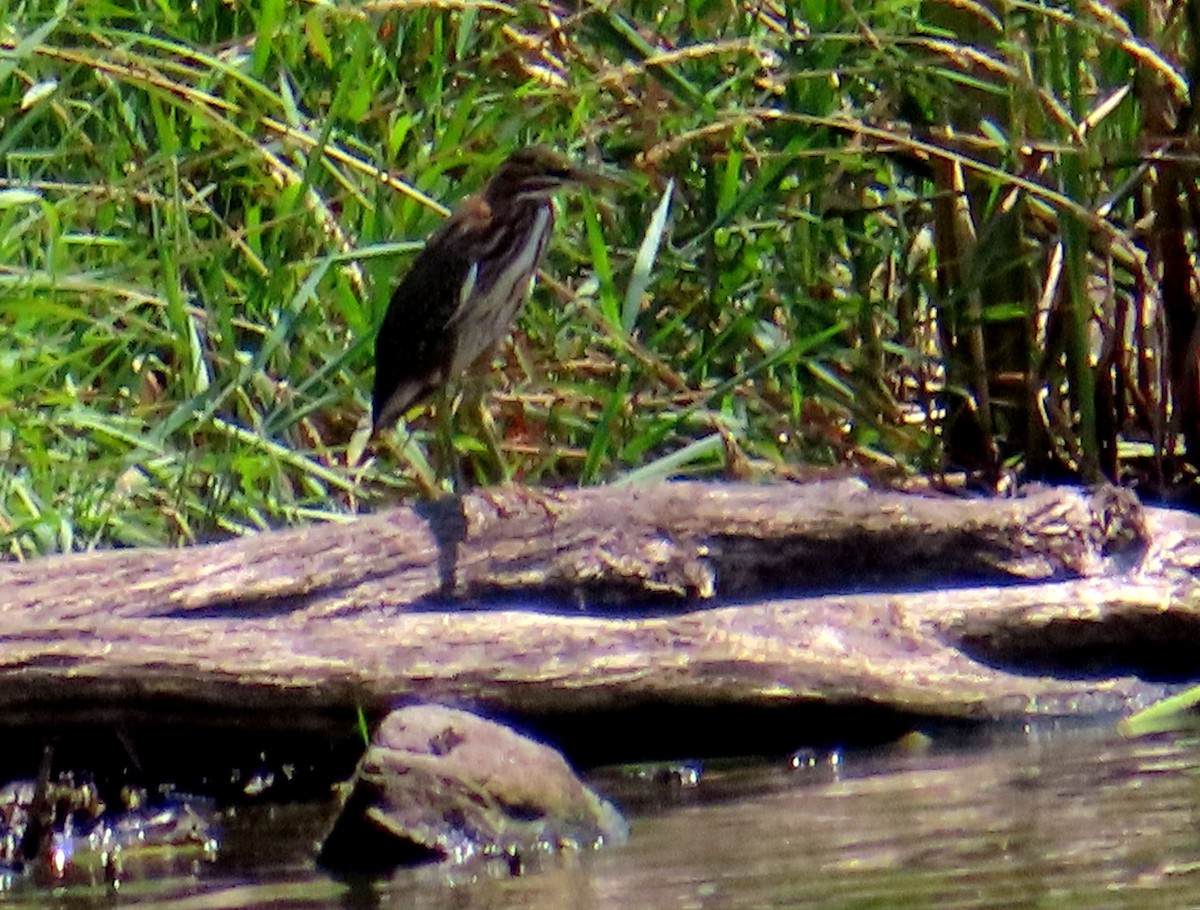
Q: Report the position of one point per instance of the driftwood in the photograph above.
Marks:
(678, 597)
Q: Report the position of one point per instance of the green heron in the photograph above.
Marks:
(468, 284)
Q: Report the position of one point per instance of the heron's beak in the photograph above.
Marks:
(599, 178)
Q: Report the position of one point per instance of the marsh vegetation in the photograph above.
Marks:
(905, 238)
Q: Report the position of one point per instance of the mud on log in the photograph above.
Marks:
(678, 597)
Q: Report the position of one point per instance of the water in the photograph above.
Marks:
(1077, 820)
(1054, 817)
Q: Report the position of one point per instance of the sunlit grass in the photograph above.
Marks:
(838, 218)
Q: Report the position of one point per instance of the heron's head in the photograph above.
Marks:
(537, 172)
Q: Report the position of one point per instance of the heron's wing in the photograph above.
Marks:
(414, 346)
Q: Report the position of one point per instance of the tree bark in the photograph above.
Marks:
(688, 595)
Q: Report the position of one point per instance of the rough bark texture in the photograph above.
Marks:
(676, 542)
(675, 596)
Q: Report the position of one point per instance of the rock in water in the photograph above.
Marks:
(440, 784)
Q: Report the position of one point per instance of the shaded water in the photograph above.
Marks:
(1068, 818)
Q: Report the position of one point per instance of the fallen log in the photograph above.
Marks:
(681, 542)
(676, 597)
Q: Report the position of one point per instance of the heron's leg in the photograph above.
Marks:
(449, 465)
(474, 393)
(493, 439)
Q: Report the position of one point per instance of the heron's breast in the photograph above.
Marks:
(498, 283)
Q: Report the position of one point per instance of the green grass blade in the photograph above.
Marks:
(643, 265)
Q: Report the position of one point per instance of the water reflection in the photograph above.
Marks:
(1069, 818)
